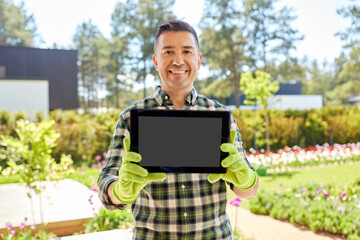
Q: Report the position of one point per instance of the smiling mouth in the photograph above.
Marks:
(178, 71)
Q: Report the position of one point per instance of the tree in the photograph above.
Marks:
(348, 77)
(223, 42)
(17, 27)
(92, 54)
(241, 35)
(138, 20)
(258, 90)
(269, 31)
(290, 70)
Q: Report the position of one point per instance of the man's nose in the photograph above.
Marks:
(178, 59)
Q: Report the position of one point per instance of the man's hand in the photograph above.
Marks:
(132, 177)
(238, 171)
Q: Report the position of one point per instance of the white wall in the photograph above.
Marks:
(26, 95)
(296, 102)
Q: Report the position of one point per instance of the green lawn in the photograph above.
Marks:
(87, 177)
(337, 175)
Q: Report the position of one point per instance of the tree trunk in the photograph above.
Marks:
(267, 131)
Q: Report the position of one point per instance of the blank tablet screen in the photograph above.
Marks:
(179, 141)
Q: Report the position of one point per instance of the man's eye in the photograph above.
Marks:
(188, 52)
(167, 52)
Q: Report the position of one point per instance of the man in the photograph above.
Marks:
(173, 205)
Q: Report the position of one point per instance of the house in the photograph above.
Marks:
(288, 97)
(33, 79)
(354, 100)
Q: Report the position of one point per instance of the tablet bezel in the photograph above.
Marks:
(225, 131)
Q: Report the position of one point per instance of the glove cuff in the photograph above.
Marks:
(118, 195)
(250, 178)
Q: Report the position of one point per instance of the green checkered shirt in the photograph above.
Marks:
(184, 206)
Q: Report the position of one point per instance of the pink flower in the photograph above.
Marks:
(22, 225)
(32, 227)
(326, 193)
(280, 184)
(93, 166)
(97, 157)
(235, 201)
(301, 199)
(93, 189)
(342, 194)
(8, 225)
(104, 154)
(13, 232)
(303, 190)
(319, 191)
(90, 199)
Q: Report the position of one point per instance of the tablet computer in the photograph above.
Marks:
(180, 141)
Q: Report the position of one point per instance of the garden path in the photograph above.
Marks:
(261, 227)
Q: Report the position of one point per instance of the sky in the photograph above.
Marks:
(317, 21)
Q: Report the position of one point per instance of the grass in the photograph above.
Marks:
(337, 175)
(87, 177)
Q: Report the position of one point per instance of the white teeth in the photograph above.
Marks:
(178, 71)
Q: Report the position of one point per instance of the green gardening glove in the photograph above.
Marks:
(132, 177)
(238, 172)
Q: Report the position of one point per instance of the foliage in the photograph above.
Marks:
(238, 35)
(34, 147)
(17, 27)
(318, 206)
(33, 161)
(258, 89)
(83, 136)
(239, 236)
(27, 235)
(108, 220)
(91, 46)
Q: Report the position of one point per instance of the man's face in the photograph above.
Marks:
(177, 59)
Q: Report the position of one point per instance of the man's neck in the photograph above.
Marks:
(178, 97)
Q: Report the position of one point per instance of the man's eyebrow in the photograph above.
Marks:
(186, 47)
(168, 47)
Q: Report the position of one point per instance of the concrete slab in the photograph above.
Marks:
(63, 200)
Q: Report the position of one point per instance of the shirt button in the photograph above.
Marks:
(166, 97)
(185, 214)
(183, 186)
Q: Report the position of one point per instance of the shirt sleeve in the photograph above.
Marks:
(110, 171)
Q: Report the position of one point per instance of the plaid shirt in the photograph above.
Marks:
(184, 206)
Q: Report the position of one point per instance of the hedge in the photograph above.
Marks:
(85, 136)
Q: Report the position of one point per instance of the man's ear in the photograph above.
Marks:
(199, 60)
(155, 62)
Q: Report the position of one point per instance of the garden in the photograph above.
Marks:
(310, 177)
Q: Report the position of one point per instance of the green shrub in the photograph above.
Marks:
(108, 220)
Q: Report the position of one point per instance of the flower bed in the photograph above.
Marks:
(295, 156)
(320, 207)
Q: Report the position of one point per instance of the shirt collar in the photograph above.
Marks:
(161, 97)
